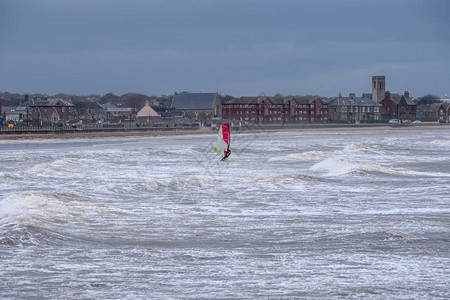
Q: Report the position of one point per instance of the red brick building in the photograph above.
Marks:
(305, 109)
(398, 107)
(275, 110)
(244, 109)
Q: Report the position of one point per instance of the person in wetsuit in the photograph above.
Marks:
(228, 153)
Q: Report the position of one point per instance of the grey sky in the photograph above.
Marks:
(237, 47)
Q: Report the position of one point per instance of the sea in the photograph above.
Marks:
(337, 214)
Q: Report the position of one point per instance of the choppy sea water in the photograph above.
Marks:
(316, 215)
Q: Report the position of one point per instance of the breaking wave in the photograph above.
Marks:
(285, 177)
(441, 143)
(338, 165)
(177, 183)
(362, 148)
(335, 166)
(303, 156)
(29, 217)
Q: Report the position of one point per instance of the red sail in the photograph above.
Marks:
(226, 134)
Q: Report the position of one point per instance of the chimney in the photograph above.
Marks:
(352, 95)
(387, 94)
(406, 94)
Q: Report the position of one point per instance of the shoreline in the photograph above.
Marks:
(206, 131)
(99, 134)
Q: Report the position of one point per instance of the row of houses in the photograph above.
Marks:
(56, 111)
(313, 109)
(208, 108)
(378, 106)
(40, 111)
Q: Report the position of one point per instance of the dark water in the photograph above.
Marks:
(294, 215)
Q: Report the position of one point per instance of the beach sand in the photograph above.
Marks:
(206, 131)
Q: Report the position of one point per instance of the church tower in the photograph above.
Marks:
(378, 88)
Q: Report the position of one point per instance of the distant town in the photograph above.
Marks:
(208, 109)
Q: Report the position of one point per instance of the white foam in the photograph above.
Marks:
(8, 207)
(302, 156)
(37, 207)
(335, 166)
(362, 148)
(441, 143)
(31, 205)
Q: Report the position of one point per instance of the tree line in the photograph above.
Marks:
(137, 100)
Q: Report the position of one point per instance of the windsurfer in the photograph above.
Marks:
(228, 153)
(223, 142)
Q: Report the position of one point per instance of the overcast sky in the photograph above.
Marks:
(236, 47)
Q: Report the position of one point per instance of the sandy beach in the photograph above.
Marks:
(205, 131)
(100, 134)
